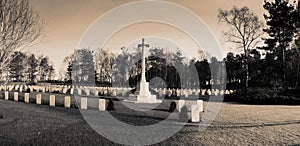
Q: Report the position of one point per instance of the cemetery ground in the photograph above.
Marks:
(235, 124)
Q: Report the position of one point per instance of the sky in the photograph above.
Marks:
(68, 20)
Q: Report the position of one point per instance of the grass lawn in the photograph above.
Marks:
(236, 124)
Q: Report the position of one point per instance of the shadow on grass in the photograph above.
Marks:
(234, 126)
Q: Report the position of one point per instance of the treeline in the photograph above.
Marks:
(168, 69)
(276, 64)
(28, 68)
(264, 71)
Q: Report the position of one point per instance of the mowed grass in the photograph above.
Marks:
(236, 124)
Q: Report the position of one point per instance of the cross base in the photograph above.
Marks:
(143, 95)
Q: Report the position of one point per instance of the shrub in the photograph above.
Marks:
(172, 107)
(262, 96)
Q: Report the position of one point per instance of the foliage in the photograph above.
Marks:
(17, 66)
(83, 67)
(45, 69)
(27, 68)
(282, 19)
(20, 26)
(245, 30)
(263, 95)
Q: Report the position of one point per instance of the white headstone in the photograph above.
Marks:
(195, 113)
(96, 92)
(216, 92)
(114, 93)
(203, 92)
(25, 88)
(208, 92)
(169, 93)
(83, 103)
(123, 92)
(52, 100)
(178, 93)
(39, 99)
(190, 91)
(16, 96)
(197, 92)
(87, 91)
(78, 91)
(164, 91)
(173, 92)
(67, 101)
(186, 94)
(71, 90)
(227, 92)
(200, 105)
(180, 104)
(222, 92)
(65, 90)
(26, 97)
(6, 96)
(102, 104)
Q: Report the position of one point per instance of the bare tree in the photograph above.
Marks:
(245, 29)
(20, 27)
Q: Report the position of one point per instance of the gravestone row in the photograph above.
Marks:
(111, 91)
(67, 100)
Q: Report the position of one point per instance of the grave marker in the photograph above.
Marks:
(52, 100)
(39, 99)
(16, 96)
(102, 104)
(87, 92)
(78, 91)
(96, 92)
(6, 96)
(195, 116)
(72, 91)
(180, 104)
(83, 103)
(67, 101)
(26, 97)
(222, 92)
(200, 105)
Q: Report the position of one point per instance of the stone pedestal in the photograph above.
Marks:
(143, 94)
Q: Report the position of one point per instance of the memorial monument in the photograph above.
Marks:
(142, 93)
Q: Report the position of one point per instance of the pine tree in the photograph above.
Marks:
(281, 21)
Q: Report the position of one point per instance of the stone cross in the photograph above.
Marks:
(143, 59)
